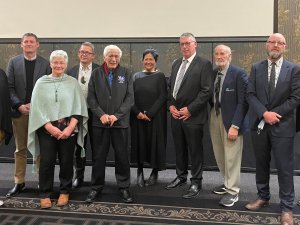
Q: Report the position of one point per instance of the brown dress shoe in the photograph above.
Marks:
(45, 203)
(287, 218)
(257, 204)
(63, 200)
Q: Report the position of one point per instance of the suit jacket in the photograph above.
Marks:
(75, 70)
(233, 98)
(116, 100)
(195, 90)
(285, 99)
(16, 73)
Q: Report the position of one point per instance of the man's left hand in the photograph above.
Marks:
(184, 113)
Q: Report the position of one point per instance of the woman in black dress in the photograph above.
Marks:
(149, 119)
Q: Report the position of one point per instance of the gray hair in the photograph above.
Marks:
(59, 53)
(187, 34)
(88, 44)
(111, 47)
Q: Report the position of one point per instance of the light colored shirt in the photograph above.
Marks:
(189, 60)
(84, 76)
(278, 65)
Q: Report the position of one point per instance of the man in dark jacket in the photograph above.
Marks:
(23, 71)
(82, 72)
(110, 97)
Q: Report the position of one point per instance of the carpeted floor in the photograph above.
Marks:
(152, 205)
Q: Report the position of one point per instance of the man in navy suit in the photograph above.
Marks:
(189, 93)
(23, 71)
(82, 72)
(227, 123)
(273, 94)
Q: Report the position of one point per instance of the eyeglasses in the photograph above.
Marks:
(186, 43)
(85, 53)
(279, 43)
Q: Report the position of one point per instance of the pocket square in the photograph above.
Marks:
(228, 89)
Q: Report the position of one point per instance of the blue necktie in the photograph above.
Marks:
(110, 78)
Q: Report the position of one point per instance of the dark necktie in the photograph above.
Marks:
(217, 93)
(272, 79)
(179, 78)
(110, 78)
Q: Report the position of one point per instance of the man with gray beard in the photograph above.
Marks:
(273, 94)
(227, 123)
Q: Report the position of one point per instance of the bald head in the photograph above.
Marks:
(275, 46)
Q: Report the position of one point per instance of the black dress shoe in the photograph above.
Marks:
(92, 196)
(77, 183)
(193, 191)
(126, 196)
(15, 190)
(176, 183)
(153, 178)
(140, 178)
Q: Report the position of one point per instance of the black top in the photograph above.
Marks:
(148, 139)
(5, 114)
(29, 67)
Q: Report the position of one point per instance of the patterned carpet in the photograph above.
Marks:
(25, 211)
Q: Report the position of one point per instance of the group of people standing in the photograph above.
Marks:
(54, 108)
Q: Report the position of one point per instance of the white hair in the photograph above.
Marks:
(111, 47)
(59, 53)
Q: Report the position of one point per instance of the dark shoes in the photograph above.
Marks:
(228, 200)
(193, 191)
(287, 218)
(220, 190)
(257, 204)
(126, 196)
(15, 190)
(153, 178)
(176, 183)
(92, 196)
(77, 183)
(140, 178)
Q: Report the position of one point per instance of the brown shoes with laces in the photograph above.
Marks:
(257, 204)
(45, 203)
(287, 218)
(62, 200)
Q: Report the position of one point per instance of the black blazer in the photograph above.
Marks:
(117, 100)
(233, 98)
(75, 70)
(17, 79)
(195, 90)
(285, 99)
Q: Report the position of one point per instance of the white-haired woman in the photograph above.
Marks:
(58, 117)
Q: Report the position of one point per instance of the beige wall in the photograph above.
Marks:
(135, 18)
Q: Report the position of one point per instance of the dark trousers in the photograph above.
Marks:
(50, 148)
(103, 138)
(79, 162)
(188, 140)
(282, 148)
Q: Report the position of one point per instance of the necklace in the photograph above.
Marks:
(57, 86)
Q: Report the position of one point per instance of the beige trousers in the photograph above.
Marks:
(228, 153)
(20, 128)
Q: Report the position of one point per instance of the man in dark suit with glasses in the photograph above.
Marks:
(82, 73)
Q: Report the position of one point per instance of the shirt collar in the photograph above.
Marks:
(89, 67)
(33, 58)
(277, 63)
(190, 59)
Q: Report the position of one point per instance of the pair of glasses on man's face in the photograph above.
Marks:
(82, 80)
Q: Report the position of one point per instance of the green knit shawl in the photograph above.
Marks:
(44, 108)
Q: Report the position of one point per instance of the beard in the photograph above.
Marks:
(221, 63)
(274, 55)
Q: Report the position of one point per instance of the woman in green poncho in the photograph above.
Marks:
(58, 119)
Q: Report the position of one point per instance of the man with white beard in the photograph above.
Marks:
(227, 123)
